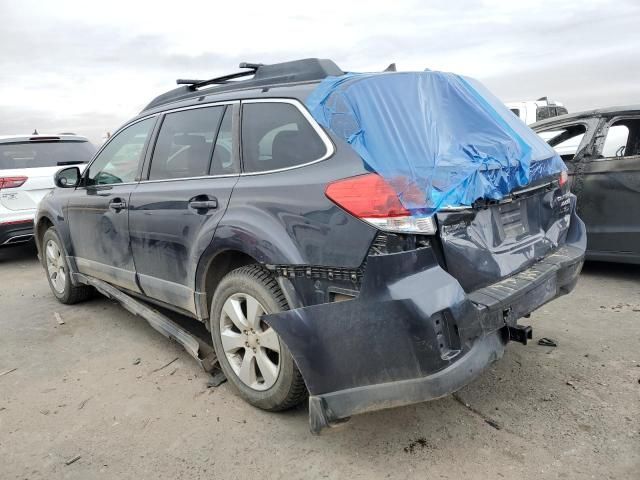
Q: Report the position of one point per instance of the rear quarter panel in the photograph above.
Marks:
(285, 217)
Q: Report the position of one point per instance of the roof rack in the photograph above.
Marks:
(307, 69)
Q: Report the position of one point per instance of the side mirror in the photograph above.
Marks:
(67, 177)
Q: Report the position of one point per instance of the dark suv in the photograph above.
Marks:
(227, 201)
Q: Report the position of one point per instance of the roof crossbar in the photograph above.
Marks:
(195, 84)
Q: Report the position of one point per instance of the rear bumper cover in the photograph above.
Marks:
(413, 334)
(15, 232)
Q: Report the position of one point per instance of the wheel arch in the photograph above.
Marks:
(239, 242)
(42, 225)
(211, 270)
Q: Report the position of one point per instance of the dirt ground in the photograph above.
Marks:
(541, 413)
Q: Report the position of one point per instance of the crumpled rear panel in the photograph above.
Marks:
(503, 239)
(439, 139)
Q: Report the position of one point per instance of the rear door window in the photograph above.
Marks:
(185, 143)
(277, 135)
(566, 140)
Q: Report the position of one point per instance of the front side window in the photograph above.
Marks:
(120, 160)
(276, 135)
(185, 143)
(565, 140)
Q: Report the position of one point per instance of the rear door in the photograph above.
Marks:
(98, 213)
(609, 198)
(174, 211)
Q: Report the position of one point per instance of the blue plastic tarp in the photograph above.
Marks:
(439, 139)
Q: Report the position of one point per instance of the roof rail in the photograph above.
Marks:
(307, 69)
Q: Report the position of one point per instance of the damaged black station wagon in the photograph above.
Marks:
(363, 240)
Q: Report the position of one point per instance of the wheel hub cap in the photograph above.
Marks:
(250, 345)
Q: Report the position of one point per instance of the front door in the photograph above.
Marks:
(609, 200)
(98, 210)
(174, 211)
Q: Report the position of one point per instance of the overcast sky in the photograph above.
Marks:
(88, 66)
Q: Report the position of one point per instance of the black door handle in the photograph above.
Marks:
(210, 204)
(117, 204)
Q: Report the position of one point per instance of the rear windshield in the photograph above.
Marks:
(44, 154)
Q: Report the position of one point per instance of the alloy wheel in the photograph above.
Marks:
(55, 266)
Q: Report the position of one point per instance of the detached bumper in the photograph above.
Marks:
(413, 334)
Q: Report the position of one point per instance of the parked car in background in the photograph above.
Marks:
(602, 151)
(27, 166)
(227, 200)
(532, 111)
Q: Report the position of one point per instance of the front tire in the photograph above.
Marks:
(250, 353)
(55, 264)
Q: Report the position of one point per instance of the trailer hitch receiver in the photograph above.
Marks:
(520, 333)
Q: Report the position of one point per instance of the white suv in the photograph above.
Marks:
(532, 111)
(27, 167)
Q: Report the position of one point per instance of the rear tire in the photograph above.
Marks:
(57, 268)
(263, 373)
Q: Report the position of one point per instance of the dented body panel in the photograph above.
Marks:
(504, 238)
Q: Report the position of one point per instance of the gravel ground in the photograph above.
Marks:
(79, 392)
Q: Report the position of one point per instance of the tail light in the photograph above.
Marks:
(563, 182)
(11, 182)
(564, 178)
(371, 199)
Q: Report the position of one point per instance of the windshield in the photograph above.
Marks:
(44, 154)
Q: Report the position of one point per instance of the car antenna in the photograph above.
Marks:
(195, 84)
(35, 132)
(391, 68)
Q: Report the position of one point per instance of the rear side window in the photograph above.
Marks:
(623, 139)
(277, 135)
(223, 162)
(44, 154)
(185, 143)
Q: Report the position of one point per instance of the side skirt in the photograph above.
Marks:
(199, 350)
